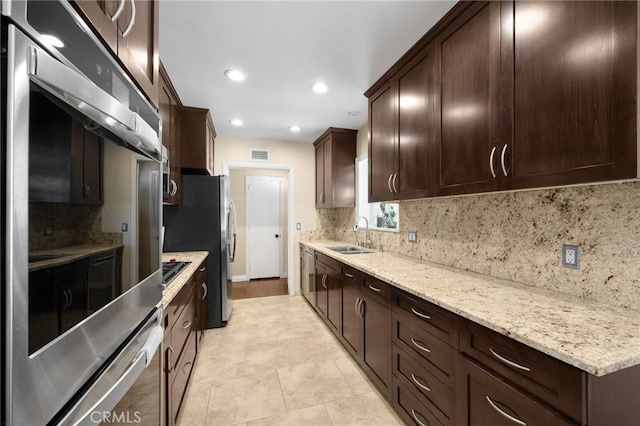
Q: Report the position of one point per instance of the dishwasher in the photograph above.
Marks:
(308, 278)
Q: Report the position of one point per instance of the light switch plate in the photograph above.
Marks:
(125, 227)
(298, 226)
(413, 236)
(571, 256)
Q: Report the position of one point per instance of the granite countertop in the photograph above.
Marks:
(174, 287)
(71, 254)
(592, 336)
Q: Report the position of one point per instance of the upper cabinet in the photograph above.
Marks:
(197, 141)
(169, 103)
(401, 144)
(130, 29)
(335, 168)
(526, 94)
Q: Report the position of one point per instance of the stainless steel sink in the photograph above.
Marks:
(349, 250)
(40, 257)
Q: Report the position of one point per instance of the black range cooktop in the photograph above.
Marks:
(170, 270)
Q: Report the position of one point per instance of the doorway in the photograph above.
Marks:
(264, 226)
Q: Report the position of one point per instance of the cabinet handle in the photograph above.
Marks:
(348, 275)
(66, 300)
(70, 298)
(186, 324)
(389, 183)
(118, 11)
(508, 362)
(88, 191)
(502, 157)
(174, 187)
(206, 290)
(503, 414)
(324, 281)
(419, 346)
(420, 314)
(413, 413)
(169, 362)
(202, 269)
(376, 289)
(357, 307)
(395, 179)
(493, 171)
(362, 309)
(417, 382)
(132, 21)
(185, 369)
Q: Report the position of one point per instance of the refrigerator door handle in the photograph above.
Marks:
(233, 252)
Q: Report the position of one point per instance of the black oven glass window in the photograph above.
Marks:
(93, 219)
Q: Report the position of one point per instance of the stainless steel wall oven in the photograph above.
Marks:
(81, 196)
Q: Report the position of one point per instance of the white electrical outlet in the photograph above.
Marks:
(571, 256)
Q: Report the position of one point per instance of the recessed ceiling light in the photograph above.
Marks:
(235, 75)
(319, 87)
(353, 113)
(294, 128)
(53, 40)
(236, 122)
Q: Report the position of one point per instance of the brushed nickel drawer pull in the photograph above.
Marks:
(509, 363)
(202, 269)
(420, 314)
(395, 178)
(186, 324)
(493, 171)
(357, 306)
(419, 346)
(348, 275)
(206, 290)
(502, 160)
(413, 413)
(503, 414)
(417, 382)
(185, 369)
(389, 183)
(376, 289)
(170, 361)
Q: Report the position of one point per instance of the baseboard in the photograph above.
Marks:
(285, 275)
(238, 278)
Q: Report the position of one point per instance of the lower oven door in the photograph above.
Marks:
(128, 390)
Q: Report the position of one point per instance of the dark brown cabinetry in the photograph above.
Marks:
(169, 104)
(527, 94)
(86, 166)
(335, 168)
(352, 327)
(328, 291)
(132, 36)
(197, 141)
(202, 307)
(401, 147)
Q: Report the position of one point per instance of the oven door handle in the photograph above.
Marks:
(120, 388)
(82, 94)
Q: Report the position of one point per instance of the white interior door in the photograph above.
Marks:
(264, 226)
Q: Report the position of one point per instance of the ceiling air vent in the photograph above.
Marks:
(260, 154)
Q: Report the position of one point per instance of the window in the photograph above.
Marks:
(381, 216)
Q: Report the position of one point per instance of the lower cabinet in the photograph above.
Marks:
(180, 347)
(437, 368)
(202, 302)
(328, 291)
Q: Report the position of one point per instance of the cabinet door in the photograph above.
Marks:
(138, 50)
(202, 312)
(327, 174)
(99, 13)
(352, 327)
(334, 300)
(86, 166)
(573, 92)
(377, 343)
(168, 106)
(321, 288)
(416, 128)
(467, 56)
(320, 195)
(484, 399)
(44, 314)
(382, 142)
(210, 148)
(72, 279)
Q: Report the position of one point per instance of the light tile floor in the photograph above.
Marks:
(276, 364)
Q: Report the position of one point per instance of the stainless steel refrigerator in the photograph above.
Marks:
(204, 221)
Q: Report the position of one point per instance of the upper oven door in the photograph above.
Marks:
(76, 163)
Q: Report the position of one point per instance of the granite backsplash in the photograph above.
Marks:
(519, 236)
(70, 224)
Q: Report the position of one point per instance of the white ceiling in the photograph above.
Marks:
(284, 47)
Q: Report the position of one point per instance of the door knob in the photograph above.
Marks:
(277, 236)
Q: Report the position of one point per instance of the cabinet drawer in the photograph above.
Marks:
(328, 261)
(350, 274)
(435, 355)
(181, 374)
(426, 387)
(426, 315)
(487, 400)
(183, 327)
(409, 408)
(543, 376)
(178, 303)
(380, 290)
